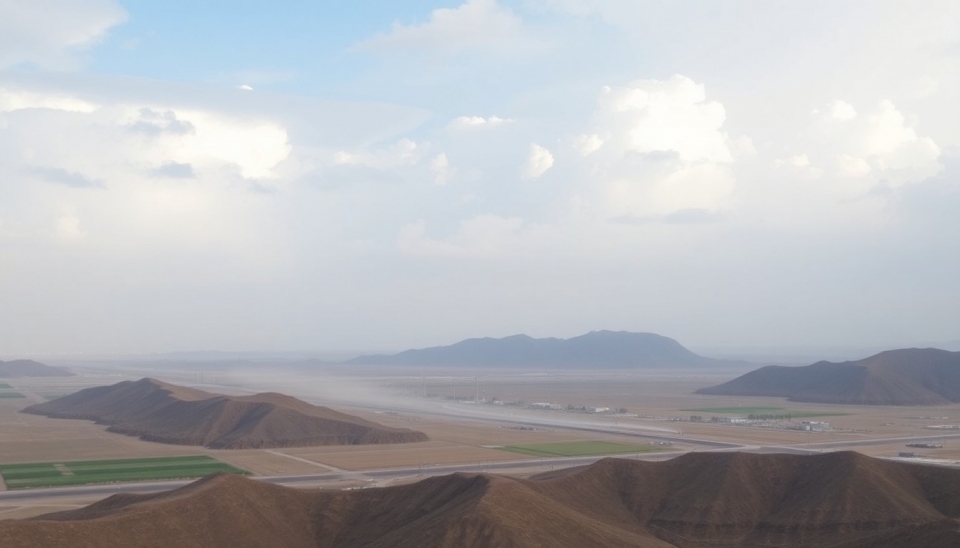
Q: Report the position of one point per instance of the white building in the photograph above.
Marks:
(545, 405)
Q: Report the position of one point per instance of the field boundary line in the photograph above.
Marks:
(301, 459)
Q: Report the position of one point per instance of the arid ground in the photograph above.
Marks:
(463, 432)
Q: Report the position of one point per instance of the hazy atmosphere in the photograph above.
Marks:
(378, 175)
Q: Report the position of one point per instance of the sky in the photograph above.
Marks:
(378, 175)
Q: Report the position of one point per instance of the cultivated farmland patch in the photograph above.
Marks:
(56, 474)
(766, 411)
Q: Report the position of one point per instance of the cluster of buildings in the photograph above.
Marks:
(807, 426)
(814, 426)
(575, 408)
(546, 406)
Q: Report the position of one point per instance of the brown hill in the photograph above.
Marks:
(161, 412)
(840, 500)
(897, 377)
(28, 368)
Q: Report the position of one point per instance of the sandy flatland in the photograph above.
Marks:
(30, 438)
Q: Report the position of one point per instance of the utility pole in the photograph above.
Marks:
(476, 395)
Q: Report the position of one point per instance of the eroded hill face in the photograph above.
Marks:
(897, 377)
(161, 412)
(841, 500)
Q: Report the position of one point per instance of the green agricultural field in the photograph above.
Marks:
(578, 449)
(9, 395)
(795, 413)
(58, 474)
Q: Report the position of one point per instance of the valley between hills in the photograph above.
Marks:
(468, 422)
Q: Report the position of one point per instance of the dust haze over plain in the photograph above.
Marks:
(733, 175)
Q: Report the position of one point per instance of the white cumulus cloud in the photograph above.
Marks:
(12, 100)
(667, 116)
(539, 161)
(841, 110)
(701, 187)
(588, 144)
(405, 152)
(478, 122)
(877, 145)
(799, 164)
(898, 145)
(442, 172)
(881, 143)
(658, 147)
(851, 166)
(203, 137)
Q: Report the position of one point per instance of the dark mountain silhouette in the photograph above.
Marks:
(161, 412)
(598, 349)
(840, 500)
(896, 377)
(28, 368)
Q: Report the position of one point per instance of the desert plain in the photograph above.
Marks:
(470, 417)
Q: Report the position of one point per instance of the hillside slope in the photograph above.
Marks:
(896, 377)
(598, 349)
(28, 368)
(841, 500)
(161, 412)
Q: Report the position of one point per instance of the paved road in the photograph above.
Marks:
(90, 491)
(637, 431)
(883, 441)
(35, 496)
(546, 464)
(713, 444)
(39, 496)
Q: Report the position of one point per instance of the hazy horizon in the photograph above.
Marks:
(373, 177)
(755, 355)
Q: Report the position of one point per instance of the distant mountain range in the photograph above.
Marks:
(156, 411)
(841, 500)
(28, 368)
(896, 377)
(595, 350)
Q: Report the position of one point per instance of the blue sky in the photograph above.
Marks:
(298, 47)
(381, 175)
